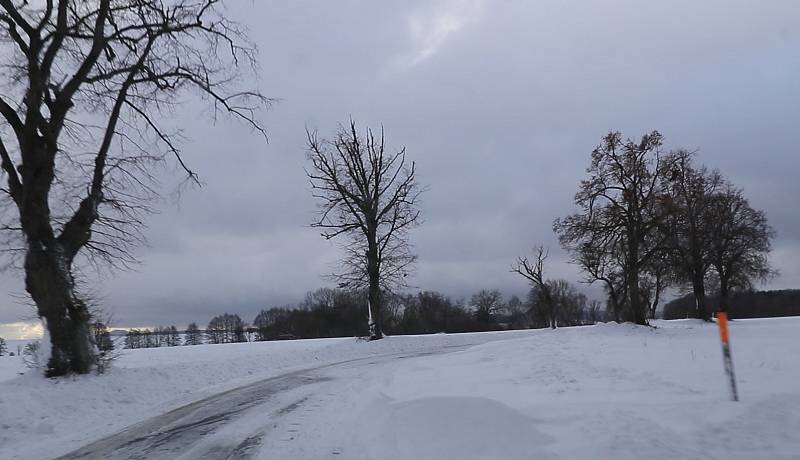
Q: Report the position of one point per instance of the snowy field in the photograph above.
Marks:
(607, 391)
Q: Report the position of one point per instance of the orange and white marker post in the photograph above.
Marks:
(722, 322)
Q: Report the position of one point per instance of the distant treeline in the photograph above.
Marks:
(340, 313)
(750, 304)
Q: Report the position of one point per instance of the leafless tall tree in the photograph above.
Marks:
(534, 273)
(741, 243)
(620, 210)
(370, 196)
(84, 83)
(687, 228)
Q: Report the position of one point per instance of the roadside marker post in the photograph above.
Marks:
(722, 322)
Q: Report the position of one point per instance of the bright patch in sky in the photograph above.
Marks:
(21, 330)
(431, 26)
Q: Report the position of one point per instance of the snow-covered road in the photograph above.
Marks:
(44, 418)
(233, 424)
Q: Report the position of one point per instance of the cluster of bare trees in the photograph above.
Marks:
(542, 289)
(742, 304)
(324, 312)
(193, 335)
(488, 310)
(650, 218)
(3, 346)
(335, 313)
(328, 312)
(551, 302)
(167, 336)
(487, 305)
(226, 328)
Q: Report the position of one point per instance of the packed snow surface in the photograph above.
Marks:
(605, 391)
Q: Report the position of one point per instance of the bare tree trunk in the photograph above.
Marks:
(656, 296)
(376, 331)
(637, 308)
(724, 293)
(48, 266)
(639, 316)
(615, 303)
(49, 281)
(699, 290)
(376, 328)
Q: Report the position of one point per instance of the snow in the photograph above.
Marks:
(609, 391)
(12, 366)
(605, 391)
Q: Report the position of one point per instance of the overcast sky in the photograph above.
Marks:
(499, 103)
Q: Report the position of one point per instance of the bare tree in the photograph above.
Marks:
(84, 83)
(534, 273)
(688, 231)
(487, 304)
(570, 305)
(370, 196)
(517, 313)
(741, 243)
(620, 211)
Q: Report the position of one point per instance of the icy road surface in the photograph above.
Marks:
(233, 424)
